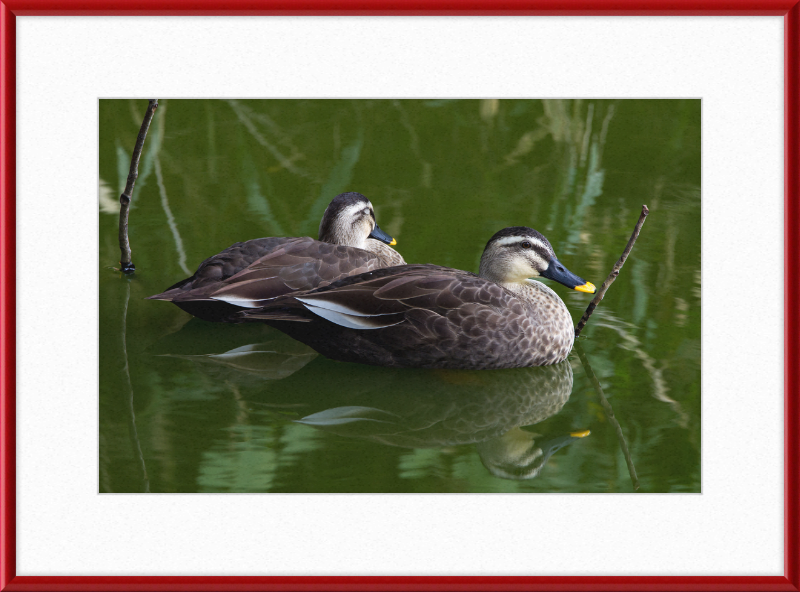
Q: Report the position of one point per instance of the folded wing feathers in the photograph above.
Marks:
(302, 264)
(358, 300)
(355, 321)
(402, 288)
(375, 303)
(250, 293)
(338, 308)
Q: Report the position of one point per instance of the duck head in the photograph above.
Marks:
(350, 220)
(515, 254)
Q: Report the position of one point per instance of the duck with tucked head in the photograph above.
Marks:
(427, 316)
(250, 273)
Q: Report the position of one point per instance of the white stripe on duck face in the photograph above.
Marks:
(356, 211)
(510, 240)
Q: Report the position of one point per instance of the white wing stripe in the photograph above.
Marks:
(335, 307)
(345, 320)
(239, 301)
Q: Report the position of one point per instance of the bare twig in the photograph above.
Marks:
(613, 275)
(125, 199)
(609, 414)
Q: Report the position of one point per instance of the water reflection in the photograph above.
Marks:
(426, 409)
(432, 408)
(405, 408)
(244, 355)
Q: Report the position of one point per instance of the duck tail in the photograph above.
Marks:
(173, 291)
(168, 295)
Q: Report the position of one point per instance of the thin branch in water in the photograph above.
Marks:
(613, 275)
(609, 414)
(125, 199)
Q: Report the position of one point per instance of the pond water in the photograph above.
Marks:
(192, 406)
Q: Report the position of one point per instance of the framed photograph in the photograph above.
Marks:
(657, 452)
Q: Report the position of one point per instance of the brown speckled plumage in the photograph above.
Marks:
(426, 316)
(254, 271)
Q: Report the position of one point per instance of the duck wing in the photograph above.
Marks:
(224, 265)
(386, 297)
(300, 265)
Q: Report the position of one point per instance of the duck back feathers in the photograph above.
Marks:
(426, 316)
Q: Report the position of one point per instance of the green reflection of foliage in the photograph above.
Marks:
(248, 469)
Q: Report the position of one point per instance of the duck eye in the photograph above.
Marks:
(526, 245)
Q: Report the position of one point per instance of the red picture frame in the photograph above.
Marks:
(789, 9)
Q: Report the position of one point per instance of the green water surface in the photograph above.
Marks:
(191, 406)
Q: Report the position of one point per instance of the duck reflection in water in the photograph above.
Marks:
(441, 408)
(244, 355)
(406, 408)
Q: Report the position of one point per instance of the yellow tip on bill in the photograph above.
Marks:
(588, 287)
(393, 243)
(582, 434)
